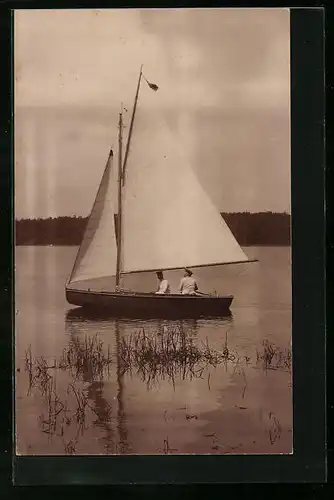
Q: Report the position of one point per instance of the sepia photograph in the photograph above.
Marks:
(153, 292)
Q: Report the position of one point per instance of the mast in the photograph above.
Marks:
(119, 212)
(131, 124)
(121, 176)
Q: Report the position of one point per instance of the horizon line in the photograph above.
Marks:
(74, 216)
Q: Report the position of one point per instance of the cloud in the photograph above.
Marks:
(93, 57)
(223, 79)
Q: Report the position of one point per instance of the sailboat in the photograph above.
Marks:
(162, 220)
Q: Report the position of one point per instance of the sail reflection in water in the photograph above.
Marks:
(151, 366)
(99, 384)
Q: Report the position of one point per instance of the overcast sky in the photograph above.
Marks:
(226, 72)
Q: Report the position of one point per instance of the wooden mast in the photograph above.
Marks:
(131, 124)
(121, 176)
(119, 212)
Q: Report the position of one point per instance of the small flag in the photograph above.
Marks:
(153, 86)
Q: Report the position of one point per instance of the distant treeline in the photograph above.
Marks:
(266, 228)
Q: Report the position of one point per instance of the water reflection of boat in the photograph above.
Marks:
(110, 411)
(163, 219)
(115, 439)
(147, 355)
(84, 313)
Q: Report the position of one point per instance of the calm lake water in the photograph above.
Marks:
(101, 386)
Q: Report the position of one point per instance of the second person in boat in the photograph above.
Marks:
(188, 285)
(163, 285)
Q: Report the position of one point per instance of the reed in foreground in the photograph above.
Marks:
(272, 357)
(87, 358)
(168, 354)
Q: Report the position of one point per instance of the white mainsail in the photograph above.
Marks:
(97, 254)
(168, 220)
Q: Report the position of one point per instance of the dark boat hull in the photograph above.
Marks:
(149, 304)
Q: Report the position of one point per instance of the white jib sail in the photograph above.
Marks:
(97, 254)
(168, 219)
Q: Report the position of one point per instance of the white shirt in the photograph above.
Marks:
(188, 286)
(163, 287)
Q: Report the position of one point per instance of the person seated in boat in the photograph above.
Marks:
(163, 287)
(188, 285)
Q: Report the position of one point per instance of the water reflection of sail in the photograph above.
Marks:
(164, 362)
(80, 329)
(123, 447)
(102, 411)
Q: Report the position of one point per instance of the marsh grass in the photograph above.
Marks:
(86, 358)
(168, 354)
(272, 357)
(63, 414)
(38, 372)
(84, 362)
(55, 408)
(275, 430)
(153, 356)
(167, 450)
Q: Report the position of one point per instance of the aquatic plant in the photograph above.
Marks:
(273, 357)
(56, 408)
(275, 430)
(38, 372)
(86, 359)
(168, 354)
(58, 417)
(166, 448)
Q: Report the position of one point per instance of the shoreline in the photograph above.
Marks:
(249, 229)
